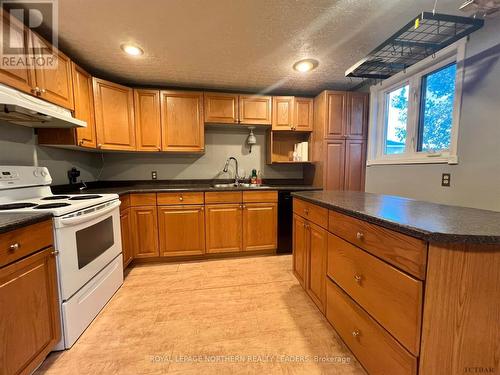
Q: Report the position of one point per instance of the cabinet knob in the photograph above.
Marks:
(202, 209)
(42, 91)
(99, 145)
(158, 148)
(360, 235)
(358, 278)
(80, 142)
(181, 198)
(356, 333)
(306, 211)
(14, 246)
(54, 253)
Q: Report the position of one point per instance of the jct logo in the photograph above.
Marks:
(20, 48)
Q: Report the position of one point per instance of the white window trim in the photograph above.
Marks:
(413, 75)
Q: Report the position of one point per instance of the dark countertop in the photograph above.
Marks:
(431, 222)
(10, 220)
(122, 188)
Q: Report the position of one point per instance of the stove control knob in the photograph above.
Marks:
(43, 173)
(36, 173)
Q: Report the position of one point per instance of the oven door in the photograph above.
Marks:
(87, 242)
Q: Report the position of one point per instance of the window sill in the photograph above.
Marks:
(423, 159)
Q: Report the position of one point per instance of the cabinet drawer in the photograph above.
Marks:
(147, 199)
(312, 212)
(180, 198)
(223, 197)
(125, 202)
(377, 351)
(393, 298)
(260, 196)
(25, 241)
(402, 251)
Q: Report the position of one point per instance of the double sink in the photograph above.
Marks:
(241, 185)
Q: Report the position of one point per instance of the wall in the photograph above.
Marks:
(18, 147)
(220, 143)
(475, 181)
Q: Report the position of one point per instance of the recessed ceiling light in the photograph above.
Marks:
(305, 65)
(131, 49)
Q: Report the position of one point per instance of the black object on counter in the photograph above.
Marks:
(73, 174)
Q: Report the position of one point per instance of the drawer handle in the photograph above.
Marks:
(306, 211)
(14, 246)
(360, 235)
(54, 253)
(358, 278)
(356, 333)
(181, 198)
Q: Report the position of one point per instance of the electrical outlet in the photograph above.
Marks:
(446, 179)
(154, 175)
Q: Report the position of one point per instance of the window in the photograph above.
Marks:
(414, 114)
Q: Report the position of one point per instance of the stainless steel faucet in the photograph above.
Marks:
(236, 175)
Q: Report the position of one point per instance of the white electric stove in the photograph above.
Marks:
(87, 240)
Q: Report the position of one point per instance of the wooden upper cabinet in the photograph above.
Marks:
(260, 226)
(303, 114)
(114, 116)
(255, 110)
(335, 114)
(221, 108)
(55, 83)
(357, 115)
(335, 167)
(147, 120)
(84, 106)
(283, 112)
(22, 79)
(182, 121)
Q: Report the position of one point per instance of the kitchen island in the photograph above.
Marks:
(410, 286)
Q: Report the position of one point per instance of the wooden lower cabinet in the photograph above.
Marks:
(144, 231)
(29, 313)
(299, 248)
(317, 248)
(125, 222)
(223, 228)
(372, 345)
(181, 230)
(260, 226)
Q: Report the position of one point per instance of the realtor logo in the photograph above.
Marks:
(20, 47)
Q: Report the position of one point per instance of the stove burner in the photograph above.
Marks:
(51, 205)
(15, 206)
(55, 197)
(83, 197)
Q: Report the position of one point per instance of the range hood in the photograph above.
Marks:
(23, 109)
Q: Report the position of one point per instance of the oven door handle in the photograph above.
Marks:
(91, 216)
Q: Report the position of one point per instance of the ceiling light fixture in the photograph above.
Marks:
(131, 49)
(305, 65)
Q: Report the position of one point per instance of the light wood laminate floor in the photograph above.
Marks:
(231, 316)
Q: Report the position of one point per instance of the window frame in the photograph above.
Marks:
(454, 53)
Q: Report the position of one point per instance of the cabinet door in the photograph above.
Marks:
(114, 116)
(355, 165)
(84, 106)
(223, 228)
(29, 313)
(336, 103)
(182, 230)
(316, 264)
(182, 121)
(23, 78)
(260, 226)
(282, 113)
(357, 119)
(303, 114)
(255, 109)
(125, 225)
(55, 83)
(299, 248)
(147, 120)
(334, 165)
(221, 108)
(144, 232)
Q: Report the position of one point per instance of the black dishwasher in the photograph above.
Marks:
(285, 222)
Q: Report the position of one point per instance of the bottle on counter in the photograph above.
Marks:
(253, 178)
(259, 178)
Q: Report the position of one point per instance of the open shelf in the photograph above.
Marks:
(280, 146)
(422, 37)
